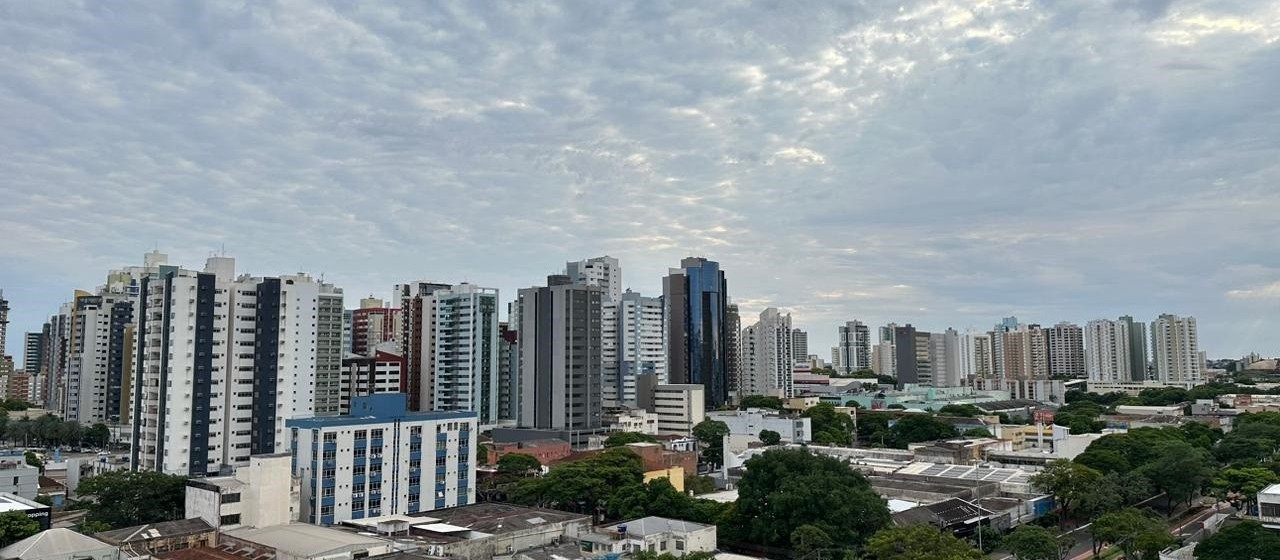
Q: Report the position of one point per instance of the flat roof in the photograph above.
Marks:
(304, 540)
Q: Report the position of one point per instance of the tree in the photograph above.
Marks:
(623, 438)
(916, 428)
(698, 484)
(34, 460)
(770, 437)
(1244, 483)
(97, 436)
(1067, 481)
(1179, 470)
(896, 406)
(760, 401)
(15, 526)
(519, 464)
(711, 434)
(1135, 532)
(807, 539)
(991, 539)
(967, 410)
(581, 486)
(1032, 542)
(784, 489)
(128, 498)
(919, 542)
(829, 426)
(1246, 540)
(977, 433)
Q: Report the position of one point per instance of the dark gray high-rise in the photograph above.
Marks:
(698, 341)
(915, 366)
(1138, 354)
(561, 376)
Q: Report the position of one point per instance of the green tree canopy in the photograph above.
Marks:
(919, 542)
(915, 428)
(711, 434)
(583, 485)
(784, 489)
(1248, 539)
(1067, 481)
(127, 498)
(960, 410)
(1245, 482)
(519, 463)
(15, 526)
(770, 437)
(807, 539)
(1140, 535)
(830, 427)
(623, 438)
(760, 401)
(1180, 470)
(1033, 542)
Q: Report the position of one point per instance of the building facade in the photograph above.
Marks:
(383, 459)
(639, 345)
(466, 351)
(1107, 351)
(1175, 349)
(696, 298)
(1066, 350)
(560, 358)
(854, 348)
(381, 372)
(767, 357)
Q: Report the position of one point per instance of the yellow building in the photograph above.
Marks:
(674, 475)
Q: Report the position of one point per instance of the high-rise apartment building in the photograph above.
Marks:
(1066, 350)
(944, 355)
(799, 345)
(1175, 349)
(222, 362)
(696, 297)
(975, 355)
(100, 359)
(1139, 355)
(768, 360)
(639, 345)
(997, 333)
(604, 271)
(4, 323)
(380, 372)
(561, 374)
(466, 351)
(383, 459)
(733, 348)
(373, 325)
(508, 370)
(854, 347)
(1023, 352)
(913, 356)
(836, 357)
(417, 341)
(1107, 351)
(33, 352)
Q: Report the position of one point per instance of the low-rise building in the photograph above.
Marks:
(1269, 506)
(37, 511)
(60, 544)
(480, 531)
(657, 535)
(750, 422)
(19, 478)
(152, 539)
(679, 407)
(634, 420)
(301, 541)
(1133, 410)
(263, 493)
(546, 451)
(383, 459)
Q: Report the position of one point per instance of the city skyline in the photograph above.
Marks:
(937, 164)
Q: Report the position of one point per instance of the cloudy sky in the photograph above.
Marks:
(941, 163)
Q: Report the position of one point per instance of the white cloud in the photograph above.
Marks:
(1265, 292)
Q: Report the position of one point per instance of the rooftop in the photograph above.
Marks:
(946, 513)
(496, 519)
(655, 525)
(10, 502)
(54, 542)
(143, 533)
(304, 540)
(381, 407)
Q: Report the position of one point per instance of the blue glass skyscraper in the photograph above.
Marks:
(697, 300)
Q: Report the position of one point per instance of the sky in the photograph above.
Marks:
(943, 163)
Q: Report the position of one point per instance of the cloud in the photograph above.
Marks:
(1059, 161)
(1267, 292)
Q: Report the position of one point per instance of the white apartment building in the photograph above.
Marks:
(1175, 349)
(366, 375)
(605, 272)
(99, 358)
(750, 422)
(799, 346)
(263, 493)
(636, 324)
(225, 362)
(679, 407)
(975, 355)
(854, 348)
(767, 364)
(383, 459)
(465, 375)
(1106, 351)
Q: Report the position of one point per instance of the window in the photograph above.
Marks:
(331, 437)
(233, 519)
(231, 498)
(362, 434)
(377, 434)
(679, 545)
(1269, 510)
